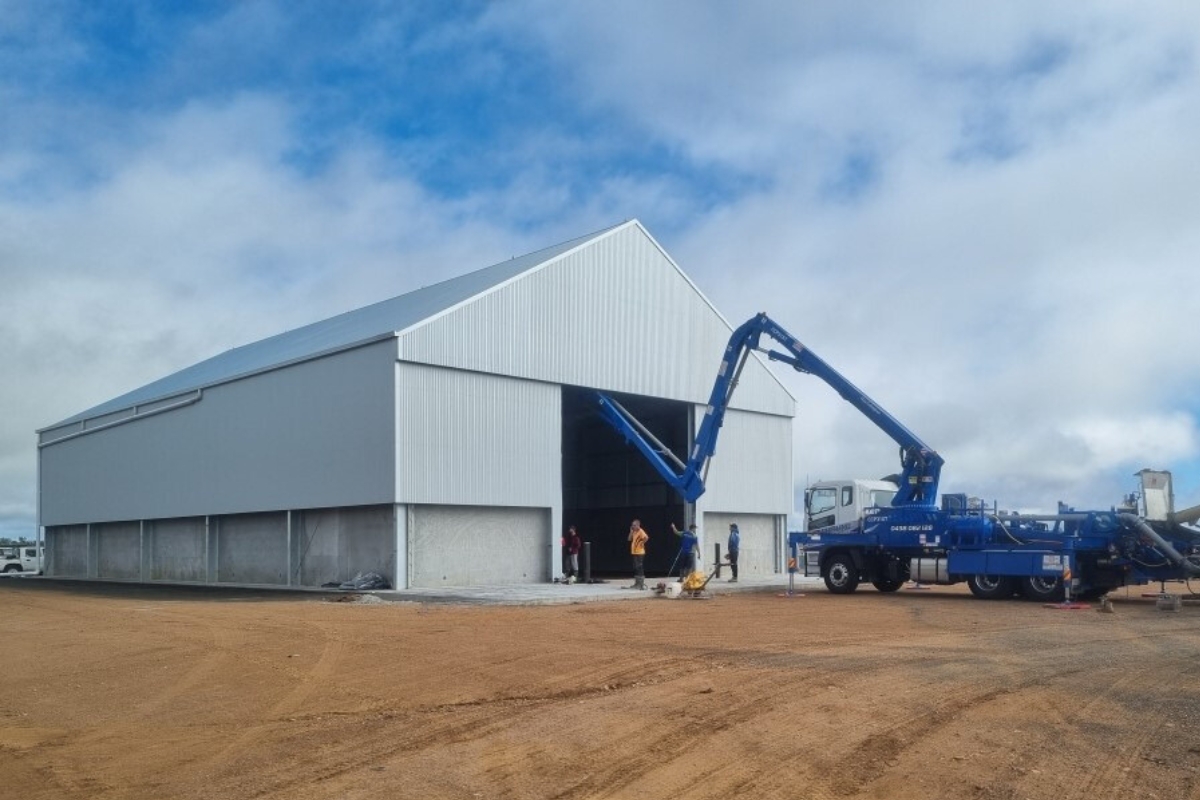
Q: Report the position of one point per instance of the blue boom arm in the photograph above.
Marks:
(921, 466)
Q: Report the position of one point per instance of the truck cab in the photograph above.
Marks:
(841, 505)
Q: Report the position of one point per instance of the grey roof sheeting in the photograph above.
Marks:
(351, 329)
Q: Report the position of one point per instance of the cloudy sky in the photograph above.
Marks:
(989, 219)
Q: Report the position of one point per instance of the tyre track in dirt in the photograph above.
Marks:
(224, 642)
(233, 750)
(1117, 773)
(889, 745)
(397, 734)
(743, 697)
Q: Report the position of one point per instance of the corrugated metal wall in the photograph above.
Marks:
(473, 439)
(752, 468)
(616, 315)
(319, 433)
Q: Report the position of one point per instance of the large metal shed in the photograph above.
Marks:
(444, 437)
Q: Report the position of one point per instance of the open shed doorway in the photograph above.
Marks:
(607, 483)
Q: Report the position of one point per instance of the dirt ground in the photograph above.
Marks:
(158, 693)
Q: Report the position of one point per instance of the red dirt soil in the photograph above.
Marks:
(115, 692)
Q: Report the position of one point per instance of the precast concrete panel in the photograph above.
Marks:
(334, 545)
(66, 551)
(177, 550)
(761, 541)
(318, 433)
(477, 546)
(476, 439)
(252, 549)
(118, 550)
(752, 468)
(615, 314)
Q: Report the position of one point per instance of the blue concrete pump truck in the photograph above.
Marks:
(891, 531)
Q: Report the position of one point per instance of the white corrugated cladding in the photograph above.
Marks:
(476, 439)
(752, 468)
(615, 314)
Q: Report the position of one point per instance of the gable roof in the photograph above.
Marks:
(345, 331)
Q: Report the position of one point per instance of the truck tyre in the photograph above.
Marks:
(841, 576)
(13, 568)
(991, 587)
(886, 584)
(1042, 589)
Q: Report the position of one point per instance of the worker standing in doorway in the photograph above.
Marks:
(573, 546)
(637, 549)
(735, 545)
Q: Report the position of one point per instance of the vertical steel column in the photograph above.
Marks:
(289, 547)
(210, 570)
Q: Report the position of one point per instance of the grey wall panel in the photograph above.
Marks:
(177, 550)
(252, 549)
(336, 544)
(476, 439)
(66, 551)
(761, 541)
(464, 546)
(118, 550)
(752, 468)
(615, 315)
(319, 433)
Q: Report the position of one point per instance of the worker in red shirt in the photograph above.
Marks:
(574, 545)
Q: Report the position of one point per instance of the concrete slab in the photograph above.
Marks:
(561, 593)
(511, 594)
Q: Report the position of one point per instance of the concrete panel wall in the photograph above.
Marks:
(616, 314)
(66, 551)
(252, 549)
(762, 541)
(335, 545)
(463, 546)
(319, 433)
(118, 551)
(177, 550)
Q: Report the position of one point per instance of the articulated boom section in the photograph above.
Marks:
(921, 466)
(685, 479)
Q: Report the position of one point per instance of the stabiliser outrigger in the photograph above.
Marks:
(912, 538)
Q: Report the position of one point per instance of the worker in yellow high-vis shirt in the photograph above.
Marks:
(637, 548)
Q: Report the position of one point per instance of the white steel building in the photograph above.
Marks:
(445, 437)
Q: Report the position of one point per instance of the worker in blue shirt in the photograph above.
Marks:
(689, 541)
(735, 544)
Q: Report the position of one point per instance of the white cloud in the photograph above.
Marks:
(985, 220)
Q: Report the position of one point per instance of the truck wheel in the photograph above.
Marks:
(12, 568)
(886, 584)
(991, 587)
(841, 576)
(1042, 589)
